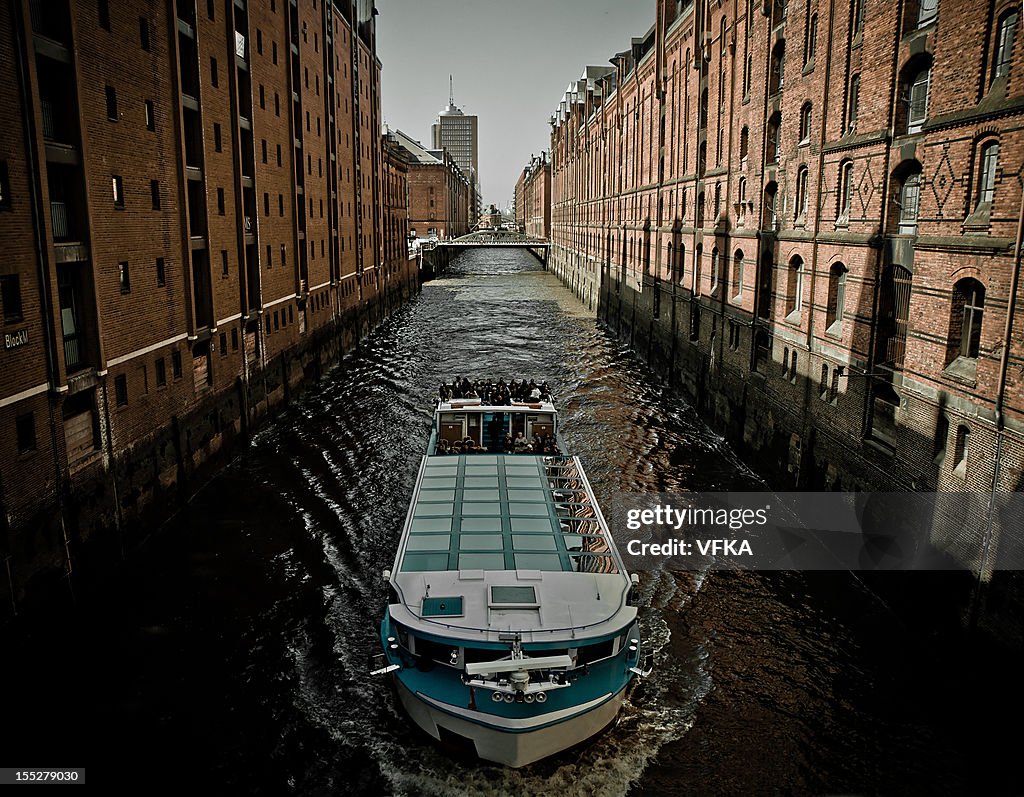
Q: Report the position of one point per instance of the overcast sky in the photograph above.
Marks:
(511, 61)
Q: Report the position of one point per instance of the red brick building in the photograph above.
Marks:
(190, 228)
(440, 195)
(519, 201)
(536, 196)
(809, 215)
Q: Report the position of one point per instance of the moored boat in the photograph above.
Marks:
(510, 630)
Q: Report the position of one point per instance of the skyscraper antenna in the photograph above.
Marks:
(451, 91)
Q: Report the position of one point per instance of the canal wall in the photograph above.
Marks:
(69, 537)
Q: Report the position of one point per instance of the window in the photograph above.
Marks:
(762, 350)
(284, 255)
(771, 216)
(737, 276)
(263, 148)
(858, 17)
(103, 14)
(111, 103)
(773, 148)
(161, 372)
(5, 187)
(927, 11)
(694, 322)
(811, 42)
(263, 97)
(836, 299)
(121, 390)
(805, 123)
(776, 73)
(25, 426)
(150, 115)
(161, 273)
(266, 204)
(714, 269)
(273, 51)
(741, 212)
(216, 136)
(910, 195)
(823, 383)
(795, 289)
(176, 363)
(214, 80)
(853, 105)
(845, 190)
(280, 205)
(259, 41)
(220, 201)
(1005, 33)
(123, 277)
(744, 146)
(223, 344)
(209, 9)
(10, 296)
(915, 88)
(278, 154)
(893, 317)
(792, 367)
(223, 263)
(234, 339)
(965, 319)
(833, 393)
(987, 177)
(154, 193)
(144, 33)
(748, 74)
(961, 450)
(801, 192)
(117, 186)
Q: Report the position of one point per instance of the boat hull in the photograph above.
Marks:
(511, 747)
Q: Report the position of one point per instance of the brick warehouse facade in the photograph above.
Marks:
(808, 216)
(440, 194)
(535, 185)
(190, 230)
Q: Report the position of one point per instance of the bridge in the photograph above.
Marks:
(486, 238)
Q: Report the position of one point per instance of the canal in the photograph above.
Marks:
(232, 653)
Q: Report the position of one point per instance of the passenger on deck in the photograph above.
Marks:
(521, 443)
(510, 445)
(443, 447)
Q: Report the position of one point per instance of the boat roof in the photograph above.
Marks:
(455, 405)
(492, 539)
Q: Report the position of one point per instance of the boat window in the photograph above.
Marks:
(538, 561)
(434, 651)
(485, 508)
(480, 495)
(533, 542)
(531, 524)
(472, 524)
(526, 495)
(431, 524)
(424, 562)
(593, 563)
(429, 542)
(528, 510)
(481, 542)
(523, 481)
(481, 561)
(442, 607)
(474, 482)
(591, 653)
(513, 595)
(423, 510)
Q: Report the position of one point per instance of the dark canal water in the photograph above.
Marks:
(231, 656)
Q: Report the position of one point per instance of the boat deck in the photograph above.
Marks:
(487, 512)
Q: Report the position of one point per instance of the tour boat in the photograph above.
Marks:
(510, 629)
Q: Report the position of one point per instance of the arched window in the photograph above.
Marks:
(811, 40)
(725, 27)
(714, 269)
(737, 275)
(702, 158)
(853, 105)
(771, 216)
(801, 192)
(1006, 31)
(680, 262)
(718, 200)
(741, 203)
(773, 148)
(776, 75)
(858, 17)
(748, 75)
(805, 123)
(744, 146)
(700, 210)
(702, 121)
(764, 286)
(845, 190)
(914, 83)
(823, 383)
(987, 176)
(698, 253)
(910, 196)
(965, 320)
(893, 316)
(795, 289)
(836, 299)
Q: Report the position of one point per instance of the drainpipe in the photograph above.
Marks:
(42, 262)
(1004, 360)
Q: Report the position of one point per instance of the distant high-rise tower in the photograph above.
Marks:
(456, 132)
